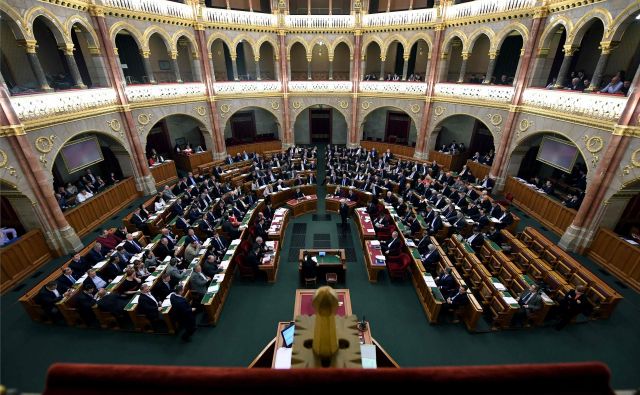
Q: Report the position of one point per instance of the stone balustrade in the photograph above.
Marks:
(240, 18)
(142, 93)
(239, 88)
(43, 105)
(592, 105)
(390, 87)
(399, 18)
(156, 7)
(320, 86)
(320, 22)
(486, 7)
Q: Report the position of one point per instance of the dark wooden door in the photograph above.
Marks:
(397, 128)
(243, 127)
(320, 124)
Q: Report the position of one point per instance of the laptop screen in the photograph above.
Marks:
(287, 335)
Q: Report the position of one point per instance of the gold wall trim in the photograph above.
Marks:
(570, 118)
(476, 103)
(158, 103)
(622, 130)
(67, 118)
(12, 130)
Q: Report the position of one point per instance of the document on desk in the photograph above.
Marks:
(283, 358)
(368, 352)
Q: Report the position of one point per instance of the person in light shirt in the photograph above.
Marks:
(159, 204)
(83, 196)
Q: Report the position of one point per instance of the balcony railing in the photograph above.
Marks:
(43, 105)
(157, 7)
(599, 106)
(244, 18)
(484, 7)
(238, 88)
(413, 17)
(142, 93)
(494, 93)
(319, 21)
(394, 88)
(320, 86)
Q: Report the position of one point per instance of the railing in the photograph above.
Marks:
(319, 21)
(233, 17)
(485, 7)
(412, 17)
(235, 88)
(158, 7)
(141, 93)
(42, 105)
(23, 257)
(400, 88)
(320, 86)
(495, 93)
(599, 106)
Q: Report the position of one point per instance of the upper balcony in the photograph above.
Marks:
(319, 22)
(155, 7)
(320, 86)
(400, 18)
(492, 93)
(480, 8)
(394, 88)
(247, 88)
(239, 18)
(602, 106)
(164, 92)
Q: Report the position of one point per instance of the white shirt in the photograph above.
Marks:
(151, 296)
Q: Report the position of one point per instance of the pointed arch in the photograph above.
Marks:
(421, 36)
(586, 22)
(218, 36)
(150, 31)
(119, 26)
(621, 22)
(504, 33)
(391, 39)
(60, 33)
(79, 20)
(300, 40)
(455, 34)
(368, 41)
(20, 28)
(189, 36)
(475, 36)
(316, 40)
(342, 39)
(552, 27)
(270, 40)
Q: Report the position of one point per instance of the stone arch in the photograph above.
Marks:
(475, 36)
(163, 113)
(270, 40)
(433, 134)
(338, 41)
(455, 34)
(215, 36)
(368, 41)
(21, 30)
(150, 31)
(619, 25)
(189, 36)
(57, 147)
(316, 102)
(58, 30)
(10, 185)
(551, 28)
(94, 42)
(243, 37)
(276, 114)
(420, 36)
(317, 40)
(301, 41)
(415, 117)
(135, 34)
(584, 23)
(504, 33)
(390, 40)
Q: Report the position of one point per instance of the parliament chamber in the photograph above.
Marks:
(178, 176)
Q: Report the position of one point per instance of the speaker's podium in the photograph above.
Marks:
(292, 346)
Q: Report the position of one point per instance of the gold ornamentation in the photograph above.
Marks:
(297, 105)
(495, 119)
(635, 158)
(438, 112)
(144, 119)
(366, 105)
(225, 108)
(594, 144)
(415, 108)
(44, 145)
(523, 126)
(115, 125)
(343, 104)
(275, 105)
(200, 110)
(4, 160)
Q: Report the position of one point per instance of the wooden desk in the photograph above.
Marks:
(164, 173)
(548, 211)
(371, 250)
(278, 225)
(617, 255)
(271, 260)
(365, 225)
(217, 293)
(23, 257)
(191, 162)
(363, 197)
(334, 261)
(333, 204)
(381, 147)
(448, 161)
(478, 170)
(303, 206)
(259, 148)
(304, 298)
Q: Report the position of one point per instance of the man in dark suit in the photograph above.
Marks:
(394, 246)
(446, 283)
(149, 306)
(183, 313)
(95, 255)
(139, 223)
(344, 213)
(178, 208)
(163, 249)
(47, 299)
(530, 302)
(435, 225)
(163, 288)
(85, 302)
(112, 303)
(573, 303)
(430, 259)
(476, 239)
(79, 265)
(228, 228)
(494, 235)
(131, 245)
(66, 280)
(218, 244)
(458, 300)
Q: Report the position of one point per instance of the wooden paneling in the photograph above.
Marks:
(93, 212)
(191, 162)
(22, 257)
(549, 212)
(258, 148)
(478, 169)
(617, 255)
(448, 161)
(396, 149)
(165, 173)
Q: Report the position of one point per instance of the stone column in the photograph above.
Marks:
(174, 65)
(98, 72)
(463, 66)
(309, 76)
(363, 65)
(195, 66)
(564, 67)
(493, 56)
(147, 67)
(285, 59)
(331, 68)
(73, 67)
(382, 60)
(601, 66)
(257, 60)
(36, 67)
(353, 140)
(213, 71)
(442, 75)
(276, 68)
(288, 67)
(515, 77)
(405, 67)
(234, 64)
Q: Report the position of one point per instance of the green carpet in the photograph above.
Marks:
(248, 323)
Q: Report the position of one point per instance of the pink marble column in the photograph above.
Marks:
(287, 139)
(355, 80)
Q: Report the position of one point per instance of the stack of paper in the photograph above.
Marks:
(510, 300)
(166, 302)
(500, 287)
(218, 278)
(135, 299)
(235, 242)
(381, 257)
(375, 242)
(213, 288)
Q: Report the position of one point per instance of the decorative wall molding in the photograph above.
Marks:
(400, 18)
(597, 106)
(394, 88)
(46, 105)
(480, 8)
(493, 93)
(145, 93)
(241, 88)
(4, 164)
(320, 86)
(44, 145)
(319, 22)
(240, 18)
(156, 7)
